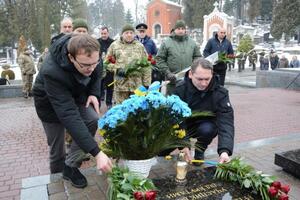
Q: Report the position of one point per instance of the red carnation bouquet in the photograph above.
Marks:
(263, 184)
(277, 191)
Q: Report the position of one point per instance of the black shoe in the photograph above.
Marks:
(73, 175)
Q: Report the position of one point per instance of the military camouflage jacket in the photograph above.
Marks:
(26, 64)
(124, 53)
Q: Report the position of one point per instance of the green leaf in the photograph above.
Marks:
(267, 180)
(127, 187)
(123, 196)
(247, 183)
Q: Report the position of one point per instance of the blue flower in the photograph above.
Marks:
(136, 103)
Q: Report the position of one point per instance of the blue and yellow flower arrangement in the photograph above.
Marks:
(144, 125)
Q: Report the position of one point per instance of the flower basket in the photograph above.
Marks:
(140, 167)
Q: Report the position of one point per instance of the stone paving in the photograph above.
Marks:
(259, 113)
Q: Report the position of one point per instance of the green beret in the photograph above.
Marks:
(179, 24)
(80, 23)
(127, 27)
(6, 66)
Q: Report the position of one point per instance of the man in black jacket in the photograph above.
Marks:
(202, 92)
(65, 96)
(221, 44)
(105, 41)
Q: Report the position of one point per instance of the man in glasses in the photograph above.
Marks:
(66, 93)
(202, 92)
(221, 44)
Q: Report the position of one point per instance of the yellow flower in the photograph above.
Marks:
(138, 92)
(176, 126)
(168, 157)
(102, 132)
(180, 133)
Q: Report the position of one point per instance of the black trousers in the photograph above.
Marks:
(205, 133)
(108, 94)
(220, 70)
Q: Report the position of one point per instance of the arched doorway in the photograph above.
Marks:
(157, 30)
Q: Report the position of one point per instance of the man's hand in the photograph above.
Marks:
(187, 154)
(171, 77)
(224, 158)
(103, 162)
(94, 101)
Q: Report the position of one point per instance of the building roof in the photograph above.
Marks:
(167, 2)
(171, 3)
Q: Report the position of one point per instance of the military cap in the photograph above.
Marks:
(141, 26)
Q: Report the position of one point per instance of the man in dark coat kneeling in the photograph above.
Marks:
(202, 91)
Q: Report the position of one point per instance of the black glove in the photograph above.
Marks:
(171, 77)
(121, 72)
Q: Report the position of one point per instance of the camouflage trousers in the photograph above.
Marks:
(27, 83)
(120, 96)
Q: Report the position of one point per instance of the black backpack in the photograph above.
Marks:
(4, 81)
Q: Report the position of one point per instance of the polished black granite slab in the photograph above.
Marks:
(289, 161)
(201, 185)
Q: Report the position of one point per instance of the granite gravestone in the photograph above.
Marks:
(289, 161)
(201, 185)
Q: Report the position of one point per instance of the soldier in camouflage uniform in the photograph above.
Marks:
(252, 59)
(26, 64)
(125, 50)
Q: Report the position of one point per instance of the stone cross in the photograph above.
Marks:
(216, 4)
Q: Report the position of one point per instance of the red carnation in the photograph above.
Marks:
(138, 195)
(285, 188)
(111, 59)
(153, 62)
(150, 195)
(276, 184)
(283, 197)
(149, 57)
(272, 191)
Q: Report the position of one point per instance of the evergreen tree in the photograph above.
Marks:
(78, 9)
(253, 9)
(128, 18)
(266, 9)
(194, 10)
(286, 18)
(245, 44)
(229, 7)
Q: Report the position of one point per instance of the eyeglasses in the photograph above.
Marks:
(86, 66)
(141, 31)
